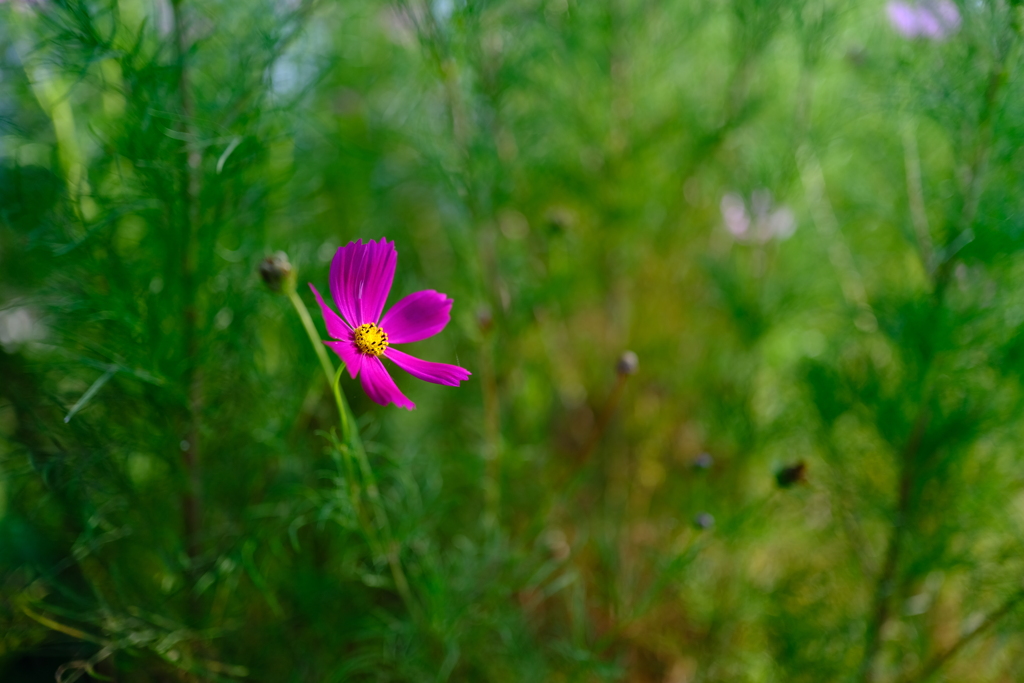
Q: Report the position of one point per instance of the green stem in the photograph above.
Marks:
(314, 337)
(381, 536)
(349, 436)
(339, 400)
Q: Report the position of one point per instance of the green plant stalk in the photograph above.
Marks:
(333, 378)
(940, 659)
(189, 187)
(381, 535)
(321, 353)
(492, 441)
(943, 268)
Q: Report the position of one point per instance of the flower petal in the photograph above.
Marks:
(904, 18)
(349, 354)
(380, 387)
(438, 373)
(341, 266)
(361, 276)
(417, 316)
(336, 327)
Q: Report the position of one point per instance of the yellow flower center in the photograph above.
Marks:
(371, 339)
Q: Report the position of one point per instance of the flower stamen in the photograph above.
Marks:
(371, 339)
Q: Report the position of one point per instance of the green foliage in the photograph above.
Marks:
(813, 475)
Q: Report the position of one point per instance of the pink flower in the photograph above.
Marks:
(361, 276)
(933, 19)
(767, 222)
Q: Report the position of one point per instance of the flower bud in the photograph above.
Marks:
(484, 319)
(704, 520)
(277, 272)
(704, 461)
(557, 544)
(628, 363)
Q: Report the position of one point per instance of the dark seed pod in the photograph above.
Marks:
(791, 475)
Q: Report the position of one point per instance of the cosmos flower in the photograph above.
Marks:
(932, 19)
(361, 276)
(766, 223)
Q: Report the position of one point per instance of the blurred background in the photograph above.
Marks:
(740, 283)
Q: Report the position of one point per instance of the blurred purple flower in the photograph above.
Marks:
(765, 224)
(25, 5)
(360, 279)
(734, 211)
(932, 19)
